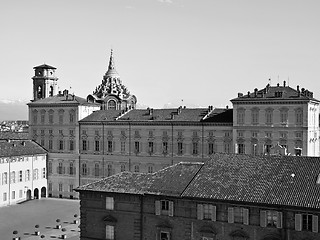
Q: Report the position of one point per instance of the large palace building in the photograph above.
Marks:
(104, 134)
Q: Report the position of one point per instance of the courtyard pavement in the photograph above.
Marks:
(43, 212)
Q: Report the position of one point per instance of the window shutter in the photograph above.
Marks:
(230, 215)
(171, 208)
(246, 216)
(298, 222)
(263, 218)
(236, 148)
(213, 210)
(157, 206)
(314, 223)
(200, 211)
(279, 217)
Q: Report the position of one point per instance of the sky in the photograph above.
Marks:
(167, 52)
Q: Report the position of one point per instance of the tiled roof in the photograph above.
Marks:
(274, 180)
(14, 135)
(62, 99)
(45, 66)
(221, 115)
(102, 115)
(20, 148)
(169, 181)
(269, 92)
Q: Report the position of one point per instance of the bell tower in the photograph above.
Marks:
(44, 82)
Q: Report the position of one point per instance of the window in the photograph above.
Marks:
(238, 215)
(50, 167)
(13, 195)
(44, 173)
(123, 147)
(254, 134)
(269, 116)
(60, 168)
(42, 117)
(50, 186)
(60, 144)
(241, 148)
(298, 134)
(20, 193)
(240, 116)
(180, 148)
(35, 174)
(165, 147)
(84, 169)
(306, 222)
(71, 133)
(164, 207)
(60, 187)
(195, 148)
(50, 144)
(27, 175)
(71, 116)
(284, 116)
(71, 188)
(150, 169)
(150, 134)
(109, 169)
(13, 177)
(60, 117)
(299, 117)
(150, 147)
(42, 132)
(110, 146)
(255, 116)
(35, 117)
(122, 167)
(136, 168)
(206, 211)
(96, 169)
(227, 147)
(4, 178)
(71, 145)
(109, 232)
(50, 116)
(271, 218)
(71, 169)
(109, 203)
(4, 196)
(97, 146)
(164, 235)
(269, 134)
(20, 176)
(112, 104)
(84, 145)
(211, 148)
(136, 147)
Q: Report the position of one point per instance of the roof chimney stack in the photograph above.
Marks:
(284, 83)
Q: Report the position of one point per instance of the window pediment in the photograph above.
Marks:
(109, 219)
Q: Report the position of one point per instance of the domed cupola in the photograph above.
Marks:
(111, 93)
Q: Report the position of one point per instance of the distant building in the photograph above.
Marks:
(228, 197)
(105, 134)
(23, 171)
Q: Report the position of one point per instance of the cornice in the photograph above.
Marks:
(148, 123)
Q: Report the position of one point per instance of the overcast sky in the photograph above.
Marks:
(201, 51)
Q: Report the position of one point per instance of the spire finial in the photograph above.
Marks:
(111, 62)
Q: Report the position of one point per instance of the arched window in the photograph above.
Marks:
(112, 105)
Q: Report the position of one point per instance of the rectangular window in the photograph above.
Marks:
(4, 196)
(255, 117)
(150, 147)
(241, 148)
(71, 188)
(50, 144)
(164, 235)
(150, 169)
(50, 117)
(240, 116)
(60, 118)
(42, 118)
(71, 169)
(71, 117)
(109, 232)
(307, 222)
(96, 170)
(44, 175)
(109, 203)
(4, 178)
(195, 148)
(227, 147)
(71, 132)
(84, 145)
(180, 148)
(164, 207)
(110, 145)
(123, 147)
(13, 195)
(269, 117)
(20, 176)
(84, 169)
(238, 215)
(97, 146)
(122, 167)
(71, 145)
(165, 147)
(210, 148)
(254, 134)
(13, 177)
(60, 144)
(35, 174)
(60, 187)
(136, 147)
(50, 187)
(50, 167)
(27, 175)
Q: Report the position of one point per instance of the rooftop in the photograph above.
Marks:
(9, 148)
(45, 66)
(273, 180)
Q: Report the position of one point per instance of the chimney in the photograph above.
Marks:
(240, 94)
(278, 85)
(227, 107)
(284, 83)
(248, 93)
(150, 111)
(298, 90)
(255, 92)
(172, 116)
(65, 92)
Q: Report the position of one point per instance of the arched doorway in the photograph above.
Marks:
(29, 194)
(36, 193)
(43, 192)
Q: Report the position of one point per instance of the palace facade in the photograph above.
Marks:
(104, 134)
